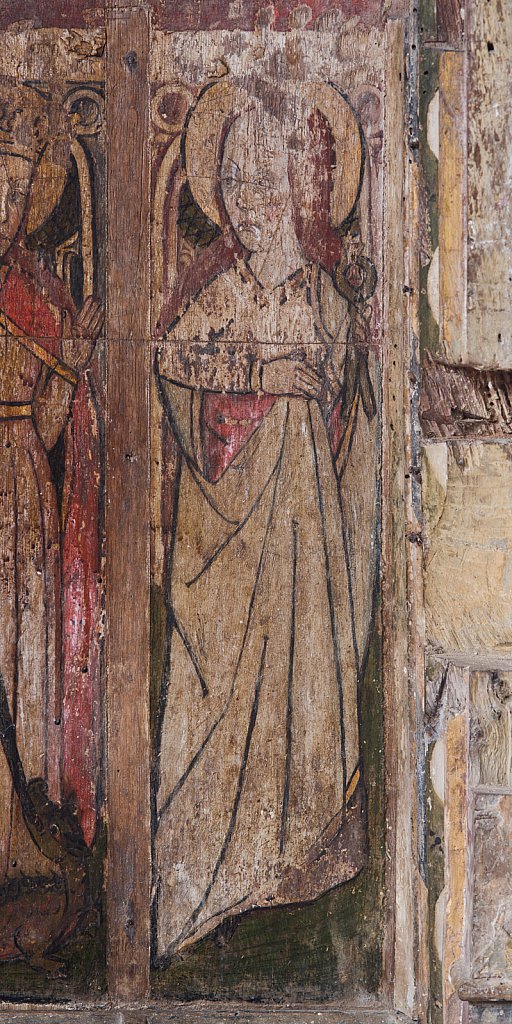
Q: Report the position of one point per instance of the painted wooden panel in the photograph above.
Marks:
(232, 431)
(52, 828)
(268, 267)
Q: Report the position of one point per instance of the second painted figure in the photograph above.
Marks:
(268, 378)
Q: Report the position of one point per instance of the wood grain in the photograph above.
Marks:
(488, 186)
(450, 23)
(127, 513)
(452, 206)
(44, 1016)
(491, 729)
(414, 235)
(402, 948)
(491, 885)
(393, 545)
(208, 1013)
(455, 955)
(490, 991)
(461, 402)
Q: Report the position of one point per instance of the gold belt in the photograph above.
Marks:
(15, 411)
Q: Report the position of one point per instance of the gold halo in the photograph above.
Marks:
(348, 145)
(203, 136)
(30, 131)
(48, 184)
(169, 127)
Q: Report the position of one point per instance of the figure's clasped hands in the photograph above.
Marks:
(290, 376)
(87, 326)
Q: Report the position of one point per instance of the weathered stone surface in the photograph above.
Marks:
(468, 560)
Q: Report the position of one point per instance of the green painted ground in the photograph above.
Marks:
(332, 948)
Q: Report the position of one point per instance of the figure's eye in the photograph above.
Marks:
(17, 196)
(229, 183)
(264, 187)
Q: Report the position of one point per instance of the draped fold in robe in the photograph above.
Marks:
(30, 610)
(259, 796)
(48, 580)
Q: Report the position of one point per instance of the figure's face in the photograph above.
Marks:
(254, 182)
(15, 175)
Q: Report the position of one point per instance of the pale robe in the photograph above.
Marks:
(258, 781)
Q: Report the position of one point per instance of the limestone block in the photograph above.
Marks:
(467, 498)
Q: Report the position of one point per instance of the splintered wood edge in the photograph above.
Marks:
(211, 1013)
(492, 990)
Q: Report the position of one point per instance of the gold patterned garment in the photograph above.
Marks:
(259, 796)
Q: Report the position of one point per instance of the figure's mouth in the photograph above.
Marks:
(248, 227)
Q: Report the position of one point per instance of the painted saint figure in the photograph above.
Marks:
(259, 798)
(44, 347)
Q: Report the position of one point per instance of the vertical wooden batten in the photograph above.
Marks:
(127, 507)
(413, 227)
(450, 23)
(405, 941)
(458, 855)
(452, 206)
(393, 533)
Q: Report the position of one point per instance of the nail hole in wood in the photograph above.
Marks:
(130, 59)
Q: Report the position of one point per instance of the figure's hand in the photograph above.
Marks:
(290, 376)
(77, 350)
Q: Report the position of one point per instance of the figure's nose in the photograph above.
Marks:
(4, 204)
(244, 198)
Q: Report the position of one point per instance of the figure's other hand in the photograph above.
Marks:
(290, 376)
(77, 350)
